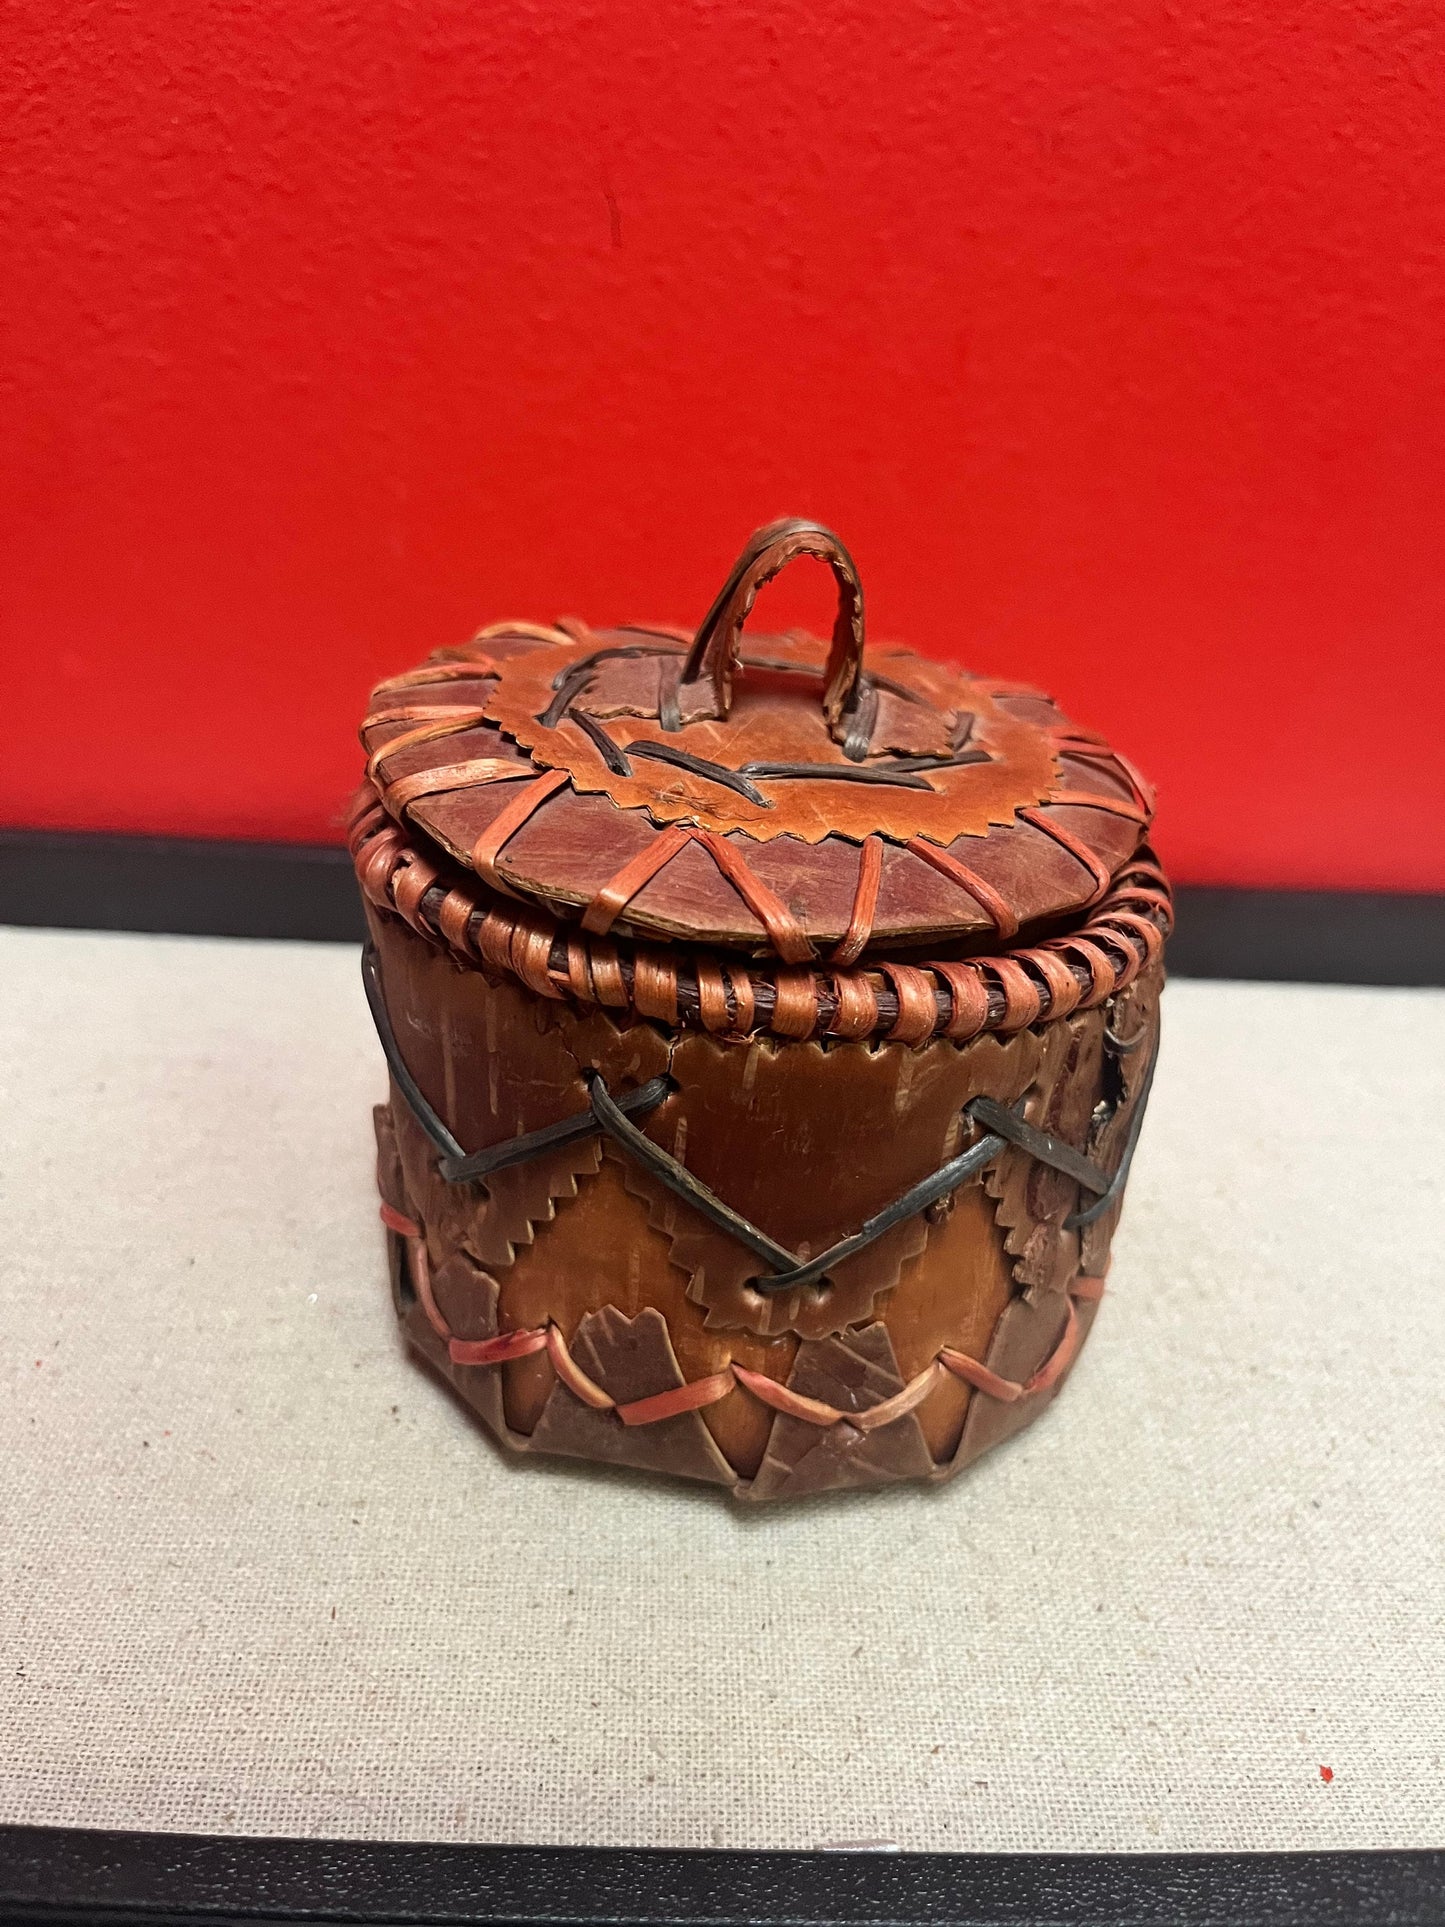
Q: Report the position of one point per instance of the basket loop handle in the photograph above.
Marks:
(715, 650)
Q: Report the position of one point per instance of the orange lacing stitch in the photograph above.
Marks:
(375, 868)
(1065, 989)
(532, 631)
(409, 885)
(1103, 974)
(1148, 933)
(411, 1231)
(579, 974)
(531, 950)
(1089, 800)
(712, 997)
(572, 1375)
(983, 894)
(476, 774)
(857, 1005)
(654, 986)
(1076, 848)
(448, 721)
(619, 890)
(474, 669)
(743, 999)
(700, 1392)
(453, 919)
(795, 1010)
(901, 1403)
(865, 903)
(494, 940)
(917, 1003)
(608, 977)
(1021, 999)
(969, 1014)
(785, 933)
(496, 1351)
(504, 827)
(791, 1404)
(686, 1398)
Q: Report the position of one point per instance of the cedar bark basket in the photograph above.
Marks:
(770, 1029)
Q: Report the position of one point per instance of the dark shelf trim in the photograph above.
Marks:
(189, 887)
(180, 886)
(64, 1876)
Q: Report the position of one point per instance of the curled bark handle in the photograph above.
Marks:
(714, 653)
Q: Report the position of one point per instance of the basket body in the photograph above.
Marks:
(807, 1137)
(729, 1135)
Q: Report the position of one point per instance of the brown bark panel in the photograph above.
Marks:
(631, 1358)
(852, 1371)
(607, 1254)
(1026, 1336)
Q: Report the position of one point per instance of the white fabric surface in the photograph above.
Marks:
(261, 1574)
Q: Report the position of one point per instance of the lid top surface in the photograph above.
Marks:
(942, 758)
(768, 793)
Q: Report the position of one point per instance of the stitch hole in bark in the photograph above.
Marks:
(403, 1286)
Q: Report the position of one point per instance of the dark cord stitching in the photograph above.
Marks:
(679, 1179)
(699, 766)
(455, 1165)
(1040, 1144)
(610, 1116)
(611, 752)
(837, 773)
(1077, 1219)
(570, 687)
(901, 772)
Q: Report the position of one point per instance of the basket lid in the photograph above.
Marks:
(776, 795)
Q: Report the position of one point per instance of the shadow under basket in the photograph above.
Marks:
(770, 1031)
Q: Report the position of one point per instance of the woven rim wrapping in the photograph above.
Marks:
(731, 996)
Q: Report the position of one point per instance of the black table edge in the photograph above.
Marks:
(195, 887)
(60, 1876)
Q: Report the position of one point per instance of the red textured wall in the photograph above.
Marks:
(1109, 336)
